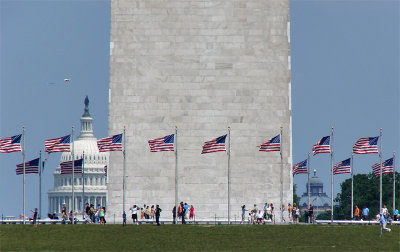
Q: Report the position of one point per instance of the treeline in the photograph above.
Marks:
(366, 194)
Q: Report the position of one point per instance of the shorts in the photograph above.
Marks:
(134, 216)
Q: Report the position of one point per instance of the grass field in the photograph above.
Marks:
(197, 237)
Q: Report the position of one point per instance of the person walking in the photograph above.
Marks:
(311, 214)
(365, 212)
(35, 216)
(157, 213)
(174, 215)
(357, 213)
(395, 214)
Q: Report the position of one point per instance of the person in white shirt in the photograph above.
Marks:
(259, 217)
(134, 210)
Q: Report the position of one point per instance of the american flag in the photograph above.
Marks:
(30, 167)
(66, 167)
(162, 144)
(387, 167)
(113, 143)
(322, 146)
(215, 145)
(342, 167)
(300, 168)
(274, 144)
(10, 144)
(61, 144)
(366, 145)
(105, 171)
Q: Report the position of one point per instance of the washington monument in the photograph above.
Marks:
(200, 66)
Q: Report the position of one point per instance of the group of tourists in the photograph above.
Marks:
(258, 216)
(185, 212)
(146, 213)
(94, 214)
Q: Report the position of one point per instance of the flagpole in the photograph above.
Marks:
(23, 162)
(394, 184)
(281, 196)
(83, 185)
(332, 174)
(380, 177)
(308, 179)
(352, 196)
(123, 174)
(176, 175)
(229, 175)
(73, 176)
(40, 184)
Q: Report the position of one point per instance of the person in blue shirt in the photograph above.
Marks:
(186, 207)
(365, 212)
(382, 221)
(395, 214)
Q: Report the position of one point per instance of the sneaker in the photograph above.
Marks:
(390, 230)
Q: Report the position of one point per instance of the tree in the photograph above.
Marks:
(366, 194)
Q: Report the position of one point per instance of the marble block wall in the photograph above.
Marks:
(201, 66)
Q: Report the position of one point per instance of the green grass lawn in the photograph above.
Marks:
(197, 237)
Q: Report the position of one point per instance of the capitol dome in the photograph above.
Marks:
(318, 198)
(94, 188)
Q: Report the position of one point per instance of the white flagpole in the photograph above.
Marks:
(83, 185)
(229, 175)
(281, 195)
(123, 175)
(40, 184)
(352, 195)
(73, 176)
(308, 179)
(394, 184)
(332, 174)
(380, 177)
(23, 161)
(176, 174)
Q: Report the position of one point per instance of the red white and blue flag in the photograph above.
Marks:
(215, 145)
(274, 144)
(387, 167)
(300, 168)
(366, 145)
(66, 167)
(322, 146)
(342, 167)
(162, 144)
(112, 143)
(30, 167)
(60, 144)
(10, 144)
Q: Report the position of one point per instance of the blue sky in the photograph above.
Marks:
(345, 73)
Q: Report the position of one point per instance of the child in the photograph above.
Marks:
(124, 219)
(250, 219)
(382, 220)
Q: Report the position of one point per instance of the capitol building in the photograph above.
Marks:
(91, 185)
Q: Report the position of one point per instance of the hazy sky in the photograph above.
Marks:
(345, 73)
